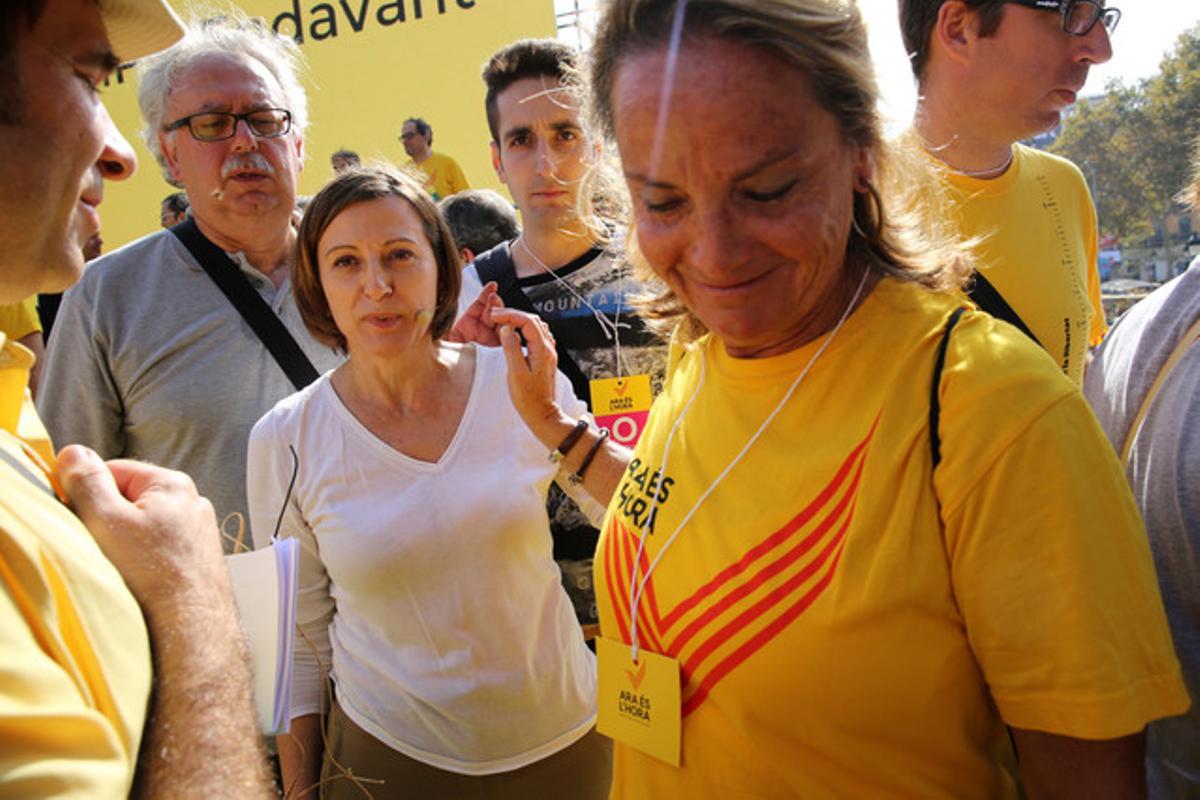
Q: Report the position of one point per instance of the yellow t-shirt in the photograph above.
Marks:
(18, 320)
(74, 652)
(444, 176)
(836, 637)
(1039, 247)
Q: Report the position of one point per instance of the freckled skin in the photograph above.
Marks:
(748, 212)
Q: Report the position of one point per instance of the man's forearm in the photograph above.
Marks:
(201, 737)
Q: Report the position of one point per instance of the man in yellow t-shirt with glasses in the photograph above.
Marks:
(991, 73)
(443, 175)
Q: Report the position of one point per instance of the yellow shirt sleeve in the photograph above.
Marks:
(18, 320)
(1026, 574)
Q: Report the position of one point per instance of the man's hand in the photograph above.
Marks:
(151, 523)
(201, 739)
(476, 323)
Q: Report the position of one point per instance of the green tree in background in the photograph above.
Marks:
(1133, 143)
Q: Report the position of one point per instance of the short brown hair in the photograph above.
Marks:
(918, 17)
(359, 185)
(527, 58)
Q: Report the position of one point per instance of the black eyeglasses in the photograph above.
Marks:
(1078, 16)
(214, 126)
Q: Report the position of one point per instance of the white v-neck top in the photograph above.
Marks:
(429, 587)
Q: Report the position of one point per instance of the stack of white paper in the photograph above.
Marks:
(264, 586)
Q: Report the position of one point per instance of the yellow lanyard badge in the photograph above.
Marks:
(639, 703)
(621, 405)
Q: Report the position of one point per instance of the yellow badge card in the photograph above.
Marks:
(621, 405)
(639, 703)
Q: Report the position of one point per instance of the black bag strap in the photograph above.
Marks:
(497, 265)
(989, 299)
(249, 303)
(935, 439)
(935, 403)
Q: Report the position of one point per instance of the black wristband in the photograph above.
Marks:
(564, 447)
(577, 477)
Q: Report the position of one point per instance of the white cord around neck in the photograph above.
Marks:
(610, 328)
(637, 589)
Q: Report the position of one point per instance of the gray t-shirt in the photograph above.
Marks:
(1164, 471)
(149, 360)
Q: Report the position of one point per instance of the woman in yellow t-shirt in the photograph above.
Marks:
(870, 528)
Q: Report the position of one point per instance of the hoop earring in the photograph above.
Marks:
(857, 229)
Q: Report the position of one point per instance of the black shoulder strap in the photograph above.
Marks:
(497, 265)
(935, 403)
(990, 300)
(249, 303)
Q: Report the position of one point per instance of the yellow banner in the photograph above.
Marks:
(372, 64)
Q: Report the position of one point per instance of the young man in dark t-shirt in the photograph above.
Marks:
(564, 270)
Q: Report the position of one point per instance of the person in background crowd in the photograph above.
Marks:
(173, 210)
(868, 527)
(124, 668)
(564, 268)
(991, 73)
(1144, 385)
(443, 175)
(171, 370)
(343, 160)
(426, 582)
(480, 219)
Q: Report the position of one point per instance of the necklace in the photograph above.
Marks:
(990, 172)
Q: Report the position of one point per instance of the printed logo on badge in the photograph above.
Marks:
(639, 704)
(621, 405)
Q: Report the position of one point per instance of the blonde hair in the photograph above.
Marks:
(827, 41)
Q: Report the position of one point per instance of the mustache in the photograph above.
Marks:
(256, 162)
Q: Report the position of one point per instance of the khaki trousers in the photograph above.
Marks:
(582, 771)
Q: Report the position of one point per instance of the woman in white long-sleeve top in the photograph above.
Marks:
(427, 585)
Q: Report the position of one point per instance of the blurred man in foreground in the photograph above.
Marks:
(92, 618)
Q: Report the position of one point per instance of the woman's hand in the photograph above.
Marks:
(476, 324)
(531, 384)
(531, 373)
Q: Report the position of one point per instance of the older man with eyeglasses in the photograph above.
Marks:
(172, 347)
(991, 73)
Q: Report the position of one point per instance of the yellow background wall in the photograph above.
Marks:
(362, 85)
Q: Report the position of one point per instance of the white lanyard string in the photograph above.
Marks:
(610, 328)
(637, 589)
